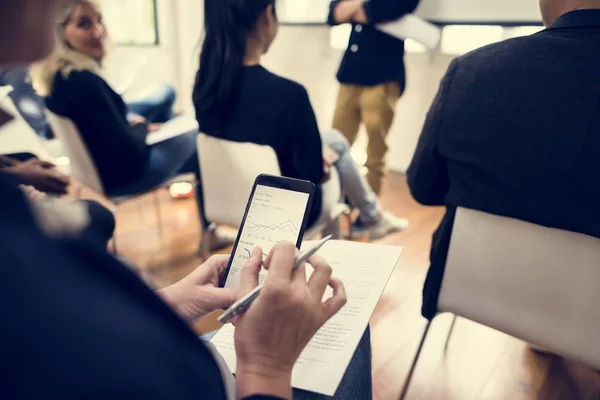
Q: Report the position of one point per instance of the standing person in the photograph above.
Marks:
(372, 76)
(515, 135)
(106, 334)
(237, 99)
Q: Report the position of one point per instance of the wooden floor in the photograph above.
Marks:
(480, 363)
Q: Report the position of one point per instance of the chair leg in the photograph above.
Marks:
(450, 333)
(414, 363)
(113, 246)
(158, 215)
(334, 229)
(206, 242)
(348, 215)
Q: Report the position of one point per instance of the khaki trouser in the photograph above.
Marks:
(375, 107)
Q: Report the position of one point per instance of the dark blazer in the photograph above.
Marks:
(119, 150)
(79, 325)
(515, 131)
(374, 57)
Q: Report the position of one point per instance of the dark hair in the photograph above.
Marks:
(227, 23)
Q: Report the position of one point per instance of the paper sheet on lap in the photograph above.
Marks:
(177, 126)
(365, 270)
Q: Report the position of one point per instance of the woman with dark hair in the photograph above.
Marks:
(237, 99)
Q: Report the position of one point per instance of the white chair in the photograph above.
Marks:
(84, 169)
(229, 170)
(534, 283)
(17, 136)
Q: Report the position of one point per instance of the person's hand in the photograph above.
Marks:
(154, 127)
(137, 119)
(199, 293)
(345, 11)
(32, 193)
(41, 175)
(272, 333)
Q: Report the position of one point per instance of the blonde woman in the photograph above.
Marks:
(72, 84)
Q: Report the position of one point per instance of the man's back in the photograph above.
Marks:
(515, 131)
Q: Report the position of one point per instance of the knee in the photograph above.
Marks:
(102, 220)
(170, 95)
(335, 140)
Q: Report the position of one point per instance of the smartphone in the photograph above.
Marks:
(277, 211)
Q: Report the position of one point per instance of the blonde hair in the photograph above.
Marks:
(63, 59)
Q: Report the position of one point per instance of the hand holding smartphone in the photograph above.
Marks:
(277, 211)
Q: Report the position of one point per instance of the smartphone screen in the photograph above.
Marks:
(277, 211)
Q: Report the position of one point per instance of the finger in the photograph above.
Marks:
(251, 271)
(299, 274)
(334, 304)
(215, 266)
(321, 276)
(218, 298)
(221, 262)
(47, 165)
(281, 263)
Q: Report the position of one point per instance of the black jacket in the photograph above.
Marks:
(79, 325)
(374, 57)
(515, 131)
(119, 151)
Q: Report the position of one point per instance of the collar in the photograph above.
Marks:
(578, 19)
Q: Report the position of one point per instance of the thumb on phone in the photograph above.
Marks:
(249, 276)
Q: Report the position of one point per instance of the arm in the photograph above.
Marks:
(302, 146)
(343, 11)
(102, 123)
(378, 11)
(427, 174)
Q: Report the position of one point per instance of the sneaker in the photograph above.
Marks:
(387, 225)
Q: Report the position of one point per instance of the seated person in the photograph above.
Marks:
(239, 100)
(88, 328)
(71, 81)
(43, 183)
(515, 131)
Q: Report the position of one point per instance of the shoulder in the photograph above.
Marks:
(286, 90)
(77, 82)
(515, 49)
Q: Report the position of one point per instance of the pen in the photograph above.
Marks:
(245, 302)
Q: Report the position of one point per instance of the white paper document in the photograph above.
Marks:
(415, 28)
(365, 270)
(175, 127)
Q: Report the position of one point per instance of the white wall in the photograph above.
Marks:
(472, 11)
(305, 55)
(173, 61)
(478, 11)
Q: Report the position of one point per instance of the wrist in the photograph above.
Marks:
(257, 379)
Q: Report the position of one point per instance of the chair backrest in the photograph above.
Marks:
(538, 284)
(82, 165)
(229, 170)
(17, 136)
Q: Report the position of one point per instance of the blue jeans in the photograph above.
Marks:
(157, 107)
(166, 160)
(354, 185)
(357, 383)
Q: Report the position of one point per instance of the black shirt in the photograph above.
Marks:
(119, 150)
(374, 57)
(274, 111)
(78, 324)
(515, 131)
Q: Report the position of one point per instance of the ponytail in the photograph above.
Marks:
(227, 24)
